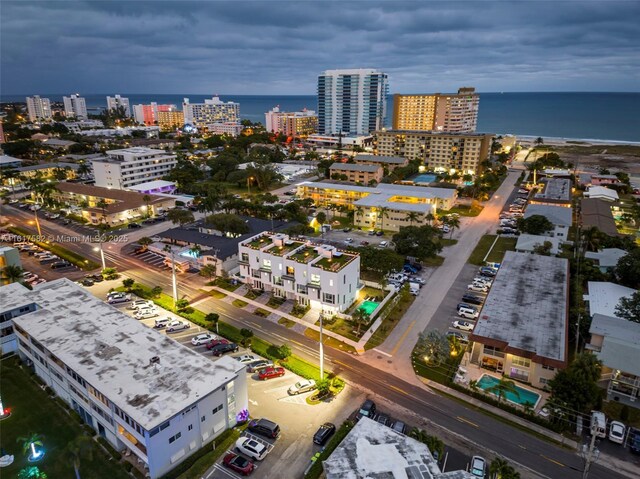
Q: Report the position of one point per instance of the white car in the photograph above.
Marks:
(384, 244)
(246, 358)
(162, 323)
(467, 313)
(177, 325)
(482, 280)
(303, 386)
(118, 298)
(477, 288)
(463, 325)
(204, 338)
(349, 240)
(478, 466)
(140, 303)
(420, 281)
(444, 228)
(146, 313)
(252, 448)
(616, 432)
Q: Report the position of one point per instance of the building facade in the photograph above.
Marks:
(296, 124)
(352, 102)
(114, 102)
(363, 174)
(231, 128)
(75, 106)
(320, 276)
(462, 152)
(148, 114)
(389, 163)
(170, 120)
(209, 112)
(129, 387)
(132, 166)
(449, 112)
(38, 108)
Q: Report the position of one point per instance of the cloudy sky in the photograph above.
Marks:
(270, 47)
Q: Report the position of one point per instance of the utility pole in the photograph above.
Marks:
(590, 453)
(169, 250)
(35, 212)
(321, 351)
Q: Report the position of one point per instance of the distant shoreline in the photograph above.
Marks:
(557, 141)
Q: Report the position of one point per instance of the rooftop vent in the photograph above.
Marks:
(154, 360)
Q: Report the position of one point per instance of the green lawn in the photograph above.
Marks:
(239, 303)
(392, 319)
(502, 246)
(32, 411)
(463, 210)
(497, 252)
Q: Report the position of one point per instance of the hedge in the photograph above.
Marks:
(107, 445)
(315, 471)
(64, 253)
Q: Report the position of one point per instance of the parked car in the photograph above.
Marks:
(616, 432)
(97, 278)
(472, 299)
(379, 233)
(383, 419)
(119, 298)
(463, 325)
(349, 240)
(246, 358)
(364, 243)
(215, 342)
(177, 325)
(252, 448)
(303, 386)
(162, 323)
(38, 281)
(384, 244)
(478, 466)
(87, 282)
(256, 366)
(140, 303)
(323, 433)
(146, 313)
(368, 409)
(220, 349)
(270, 373)
(132, 226)
(488, 271)
(400, 427)
(264, 427)
(477, 288)
(460, 337)
(238, 464)
(203, 338)
(634, 440)
(371, 233)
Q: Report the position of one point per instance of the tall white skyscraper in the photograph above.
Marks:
(38, 108)
(117, 101)
(352, 102)
(76, 106)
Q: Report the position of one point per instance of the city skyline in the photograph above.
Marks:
(228, 48)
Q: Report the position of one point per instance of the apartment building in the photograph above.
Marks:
(120, 206)
(211, 111)
(170, 120)
(363, 174)
(117, 101)
(449, 112)
(560, 216)
(231, 128)
(439, 151)
(132, 166)
(148, 114)
(141, 391)
(388, 163)
(297, 123)
(38, 109)
(75, 106)
(352, 102)
(321, 276)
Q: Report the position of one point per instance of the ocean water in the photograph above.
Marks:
(597, 116)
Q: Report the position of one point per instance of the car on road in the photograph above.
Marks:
(203, 338)
(177, 325)
(383, 419)
(220, 349)
(477, 288)
(270, 373)
(162, 323)
(146, 313)
(463, 325)
(119, 298)
(215, 342)
(256, 366)
(323, 433)
(478, 466)
(264, 427)
(472, 299)
(616, 432)
(246, 358)
(252, 448)
(238, 464)
(303, 386)
(368, 409)
(346, 230)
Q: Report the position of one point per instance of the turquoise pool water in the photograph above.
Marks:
(524, 395)
(368, 307)
(424, 178)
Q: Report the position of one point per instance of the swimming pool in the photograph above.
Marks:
(524, 395)
(368, 307)
(424, 178)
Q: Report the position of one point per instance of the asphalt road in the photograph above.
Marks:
(482, 434)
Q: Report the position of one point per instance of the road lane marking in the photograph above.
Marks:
(382, 352)
(402, 338)
(401, 391)
(461, 419)
(552, 460)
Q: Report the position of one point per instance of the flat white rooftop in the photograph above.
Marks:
(112, 351)
(380, 159)
(525, 312)
(136, 150)
(621, 344)
(558, 215)
(152, 185)
(386, 189)
(355, 167)
(603, 297)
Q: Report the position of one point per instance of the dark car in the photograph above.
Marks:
(96, 278)
(465, 305)
(346, 230)
(488, 271)
(634, 440)
(60, 264)
(472, 299)
(264, 427)
(368, 409)
(87, 282)
(132, 226)
(239, 464)
(220, 349)
(216, 342)
(379, 233)
(400, 427)
(383, 419)
(323, 433)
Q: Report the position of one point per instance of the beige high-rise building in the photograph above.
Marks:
(439, 151)
(170, 120)
(452, 112)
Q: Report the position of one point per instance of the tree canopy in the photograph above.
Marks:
(627, 271)
(418, 241)
(228, 224)
(629, 308)
(381, 261)
(535, 224)
(577, 386)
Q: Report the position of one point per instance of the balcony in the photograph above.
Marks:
(286, 248)
(258, 243)
(335, 263)
(305, 255)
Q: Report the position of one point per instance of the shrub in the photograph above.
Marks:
(107, 445)
(128, 466)
(181, 304)
(284, 351)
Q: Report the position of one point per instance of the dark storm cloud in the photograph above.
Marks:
(280, 47)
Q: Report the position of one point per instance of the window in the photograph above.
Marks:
(548, 368)
(219, 408)
(174, 438)
(190, 427)
(328, 298)
(291, 270)
(517, 361)
(544, 381)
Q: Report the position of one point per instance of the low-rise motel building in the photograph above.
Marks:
(522, 330)
(388, 163)
(140, 390)
(120, 206)
(363, 174)
(317, 275)
(386, 207)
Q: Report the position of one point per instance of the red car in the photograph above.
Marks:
(215, 342)
(270, 373)
(238, 464)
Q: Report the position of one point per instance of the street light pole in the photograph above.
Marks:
(169, 249)
(321, 351)
(35, 212)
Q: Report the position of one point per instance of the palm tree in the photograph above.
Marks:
(413, 216)
(452, 222)
(147, 200)
(503, 387)
(383, 212)
(539, 141)
(12, 274)
(358, 213)
(30, 442)
(76, 450)
(83, 169)
(359, 317)
(145, 241)
(31, 472)
(208, 270)
(592, 237)
(496, 467)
